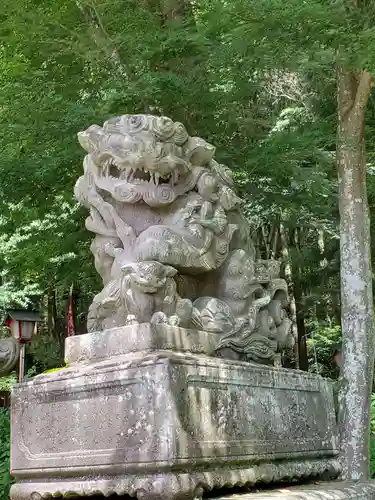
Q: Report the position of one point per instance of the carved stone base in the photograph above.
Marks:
(172, 486)
(145, 337)
(364, 490)
(167, 425)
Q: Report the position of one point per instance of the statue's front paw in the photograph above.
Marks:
(158, 318)
(174, 320)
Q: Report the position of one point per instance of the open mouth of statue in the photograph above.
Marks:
(133, 182)
(140, 175)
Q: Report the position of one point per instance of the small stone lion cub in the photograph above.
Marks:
(149, 294)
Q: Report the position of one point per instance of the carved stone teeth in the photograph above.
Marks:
(129, 175)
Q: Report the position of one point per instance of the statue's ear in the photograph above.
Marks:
(170, 271)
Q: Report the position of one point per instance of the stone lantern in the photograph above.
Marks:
(22, 325)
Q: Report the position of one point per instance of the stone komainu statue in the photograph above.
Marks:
(170, 243)
(9, 354)
(166, 408)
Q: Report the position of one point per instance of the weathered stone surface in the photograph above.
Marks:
(9, 354)
(166, 425)
(171, 244)
(324, 491)
(137, 338)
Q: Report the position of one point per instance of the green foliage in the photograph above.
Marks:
(321, 345)
(83, 61)
(5, 477)
(256, 78)
(44, 353)
(7, 382)
(372, 458)
(52, 370)
(372, 422)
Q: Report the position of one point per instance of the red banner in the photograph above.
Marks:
(71, 329)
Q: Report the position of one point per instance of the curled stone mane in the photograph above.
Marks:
(142, 157)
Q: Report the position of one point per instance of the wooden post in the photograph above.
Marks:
(21, 371)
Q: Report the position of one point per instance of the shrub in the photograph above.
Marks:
(6, 383)
(320, 346)
(5, 477)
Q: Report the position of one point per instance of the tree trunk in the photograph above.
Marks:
(299, 302)
(100, 36)
(177, 10)
(292, 305)
(51, 311)
(322, 306)
(356, 281)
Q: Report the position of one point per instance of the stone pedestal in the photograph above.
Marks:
(133, 416)
(362, 490)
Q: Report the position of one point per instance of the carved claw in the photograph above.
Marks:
(174, 320)
(159, 317)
